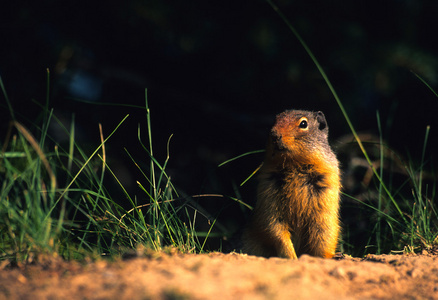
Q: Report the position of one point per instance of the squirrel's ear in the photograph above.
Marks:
(321, 120)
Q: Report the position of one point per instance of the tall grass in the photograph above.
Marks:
(57, 201)
(151, 219)
(28, 194)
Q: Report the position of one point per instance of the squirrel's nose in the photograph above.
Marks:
(276, 140)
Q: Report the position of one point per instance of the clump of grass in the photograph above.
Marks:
(152, 219)
(56, 202)
(28, 195)
(420, 228)
(412, 225)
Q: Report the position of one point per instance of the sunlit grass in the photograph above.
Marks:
(57, 202)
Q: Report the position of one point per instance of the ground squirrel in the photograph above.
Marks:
(298, 192)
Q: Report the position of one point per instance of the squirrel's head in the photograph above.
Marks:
(299, 131)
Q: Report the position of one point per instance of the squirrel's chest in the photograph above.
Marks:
(305, 181)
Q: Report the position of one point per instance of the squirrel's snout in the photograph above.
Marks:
(276, 140)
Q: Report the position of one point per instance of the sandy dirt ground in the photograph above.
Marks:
(226, 276)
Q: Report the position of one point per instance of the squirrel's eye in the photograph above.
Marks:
(303, 124)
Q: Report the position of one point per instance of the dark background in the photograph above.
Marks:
(217, 72)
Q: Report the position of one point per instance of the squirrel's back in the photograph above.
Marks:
(298, 191)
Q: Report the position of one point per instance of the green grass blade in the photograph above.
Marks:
(425, 83)
(89, 159)
(241, 155)
(11, 111)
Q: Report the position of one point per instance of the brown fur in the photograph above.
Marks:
(298, 193)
